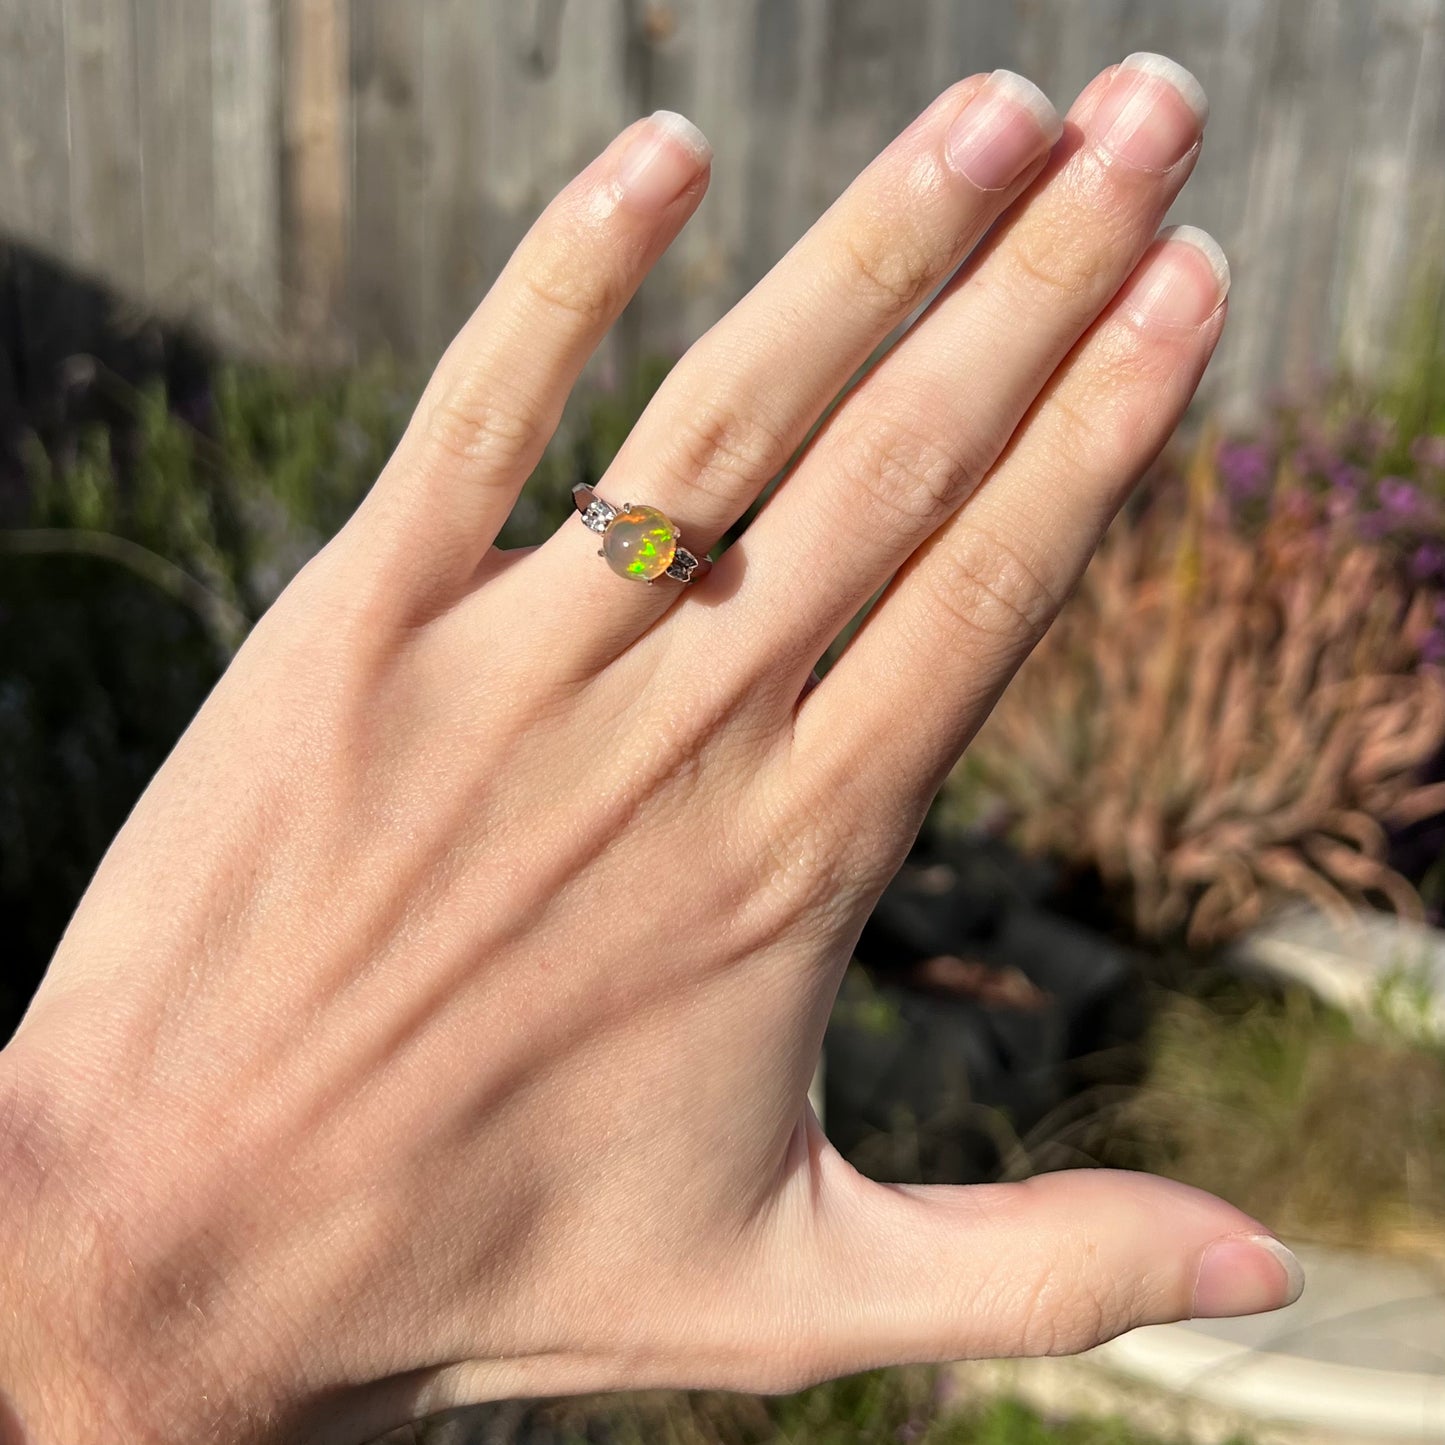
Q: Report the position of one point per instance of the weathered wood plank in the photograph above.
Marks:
(1390, 151)
(35, 148)
(246, 187)
(1257, 150)
(173, 56)
(398, 159)
(792, 160)
(316, 171)
(388, 216)
(457, 38)
(107, 230)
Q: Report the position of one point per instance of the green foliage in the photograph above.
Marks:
(882, 1407)
(593, 429)
(1284, 1109)
(860, 1004)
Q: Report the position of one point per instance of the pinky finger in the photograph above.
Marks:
(965, 611)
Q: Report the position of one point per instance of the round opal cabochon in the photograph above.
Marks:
(639, 542)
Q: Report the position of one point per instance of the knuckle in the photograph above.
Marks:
(556, 283)
(893, 272)
(1042, 261)
(985, 585)
(1062, 1315)
(1081, 441)
(914, 481)
(797, 875)
(797, 872)
(499, 431)
(1105, 424)
(726, 452)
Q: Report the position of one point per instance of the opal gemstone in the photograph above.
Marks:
(639, 543)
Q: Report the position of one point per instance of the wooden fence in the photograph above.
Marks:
(327, 176)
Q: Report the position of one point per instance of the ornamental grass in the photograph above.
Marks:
(1245, 696)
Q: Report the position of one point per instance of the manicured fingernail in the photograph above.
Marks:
(663, 159)
(1006, 126)
(1181, 280)
(1246, 1274)
(1152, 114)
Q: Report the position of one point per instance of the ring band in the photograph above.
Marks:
(637, 542)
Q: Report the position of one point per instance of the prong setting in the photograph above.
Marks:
(598, 515)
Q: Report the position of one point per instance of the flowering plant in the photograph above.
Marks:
(1240, 699)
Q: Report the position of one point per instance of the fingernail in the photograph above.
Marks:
(1007, 125)
(663, 159)
(1152, 114)
(1181, 281)
(1246, 1274)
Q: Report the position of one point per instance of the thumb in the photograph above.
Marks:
(892, 1274)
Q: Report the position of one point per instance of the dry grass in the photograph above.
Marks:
(1218, 719)
(1286, 1111)
(885, 1407)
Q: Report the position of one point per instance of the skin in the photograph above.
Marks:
(438, 1028)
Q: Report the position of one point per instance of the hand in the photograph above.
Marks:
(439, 1027)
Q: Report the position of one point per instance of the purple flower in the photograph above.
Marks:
(1344, 477)
(1373, 527)
(1400, 498)
(1427, 562)
(1246, 468)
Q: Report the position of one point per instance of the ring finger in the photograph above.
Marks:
(731, 413)
(909, 444)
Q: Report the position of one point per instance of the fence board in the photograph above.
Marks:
(376, 163)
(35, 150)
(1388, 162)
(246, 188)
(316, 169)
(173, 61)
(387, 240)
(457, 37)
(106, 225)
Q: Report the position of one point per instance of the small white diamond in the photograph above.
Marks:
(597, 516)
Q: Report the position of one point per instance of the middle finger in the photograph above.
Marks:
(906, 447)
(732, 411)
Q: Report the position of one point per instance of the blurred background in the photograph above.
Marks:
(1179, 908)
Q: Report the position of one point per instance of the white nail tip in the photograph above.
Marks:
(1203, 242)
(1170, 71)
(1292, 1267)
(1023, 92)
(682, 130)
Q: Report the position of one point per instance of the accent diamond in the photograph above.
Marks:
(683, 565)
(598, 515)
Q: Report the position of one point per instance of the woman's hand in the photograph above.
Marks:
(439, 1027)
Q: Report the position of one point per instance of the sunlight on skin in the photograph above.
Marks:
(439, 1026)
